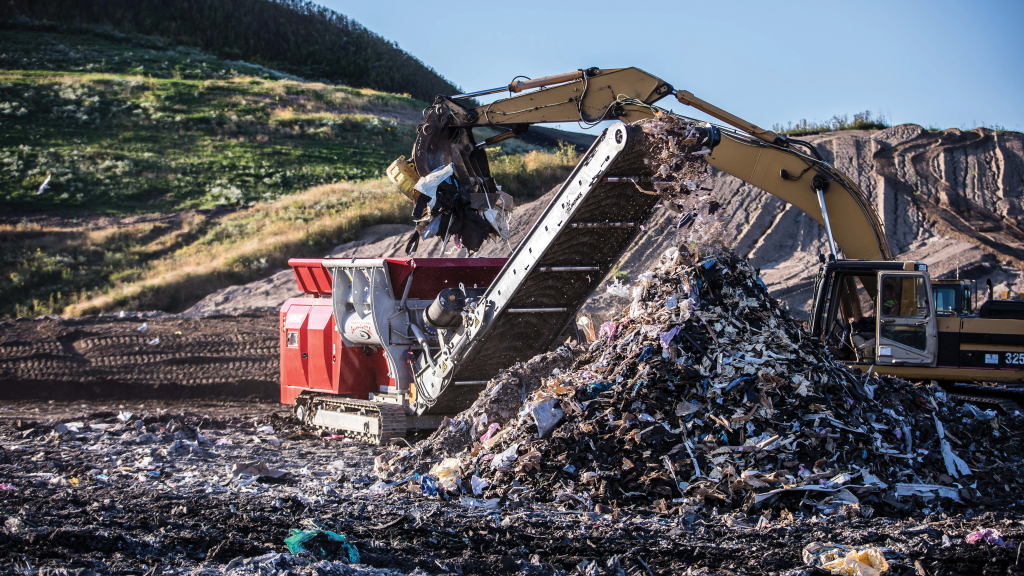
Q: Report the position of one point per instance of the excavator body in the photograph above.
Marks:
(892, 318)
(380, 346)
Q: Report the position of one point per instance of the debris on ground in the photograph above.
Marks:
(844, 560)
(322, 545)
(988, 535)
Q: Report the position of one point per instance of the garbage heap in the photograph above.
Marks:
(703, 393)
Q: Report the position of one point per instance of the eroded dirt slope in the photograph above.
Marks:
(951, 199)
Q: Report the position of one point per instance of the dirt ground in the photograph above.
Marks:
(140, 356)
(153, 493)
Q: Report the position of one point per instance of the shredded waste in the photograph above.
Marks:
(705, 393)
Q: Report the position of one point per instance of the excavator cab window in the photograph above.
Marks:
(851, 332)
(970, 295)
(907, 331)
(945, 300)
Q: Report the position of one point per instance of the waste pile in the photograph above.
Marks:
(704, 394)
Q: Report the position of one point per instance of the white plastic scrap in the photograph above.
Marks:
(478, 485)
(983, 415)
(617, 288)
(928, 491)
(428, 184)
(472, 503)
(507, 457)
(954, 463)
(546, 416)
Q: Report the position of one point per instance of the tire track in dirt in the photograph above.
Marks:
(110, 357)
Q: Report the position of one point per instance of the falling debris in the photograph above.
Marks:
(45, 185)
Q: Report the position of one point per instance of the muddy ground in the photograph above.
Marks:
(154, 493)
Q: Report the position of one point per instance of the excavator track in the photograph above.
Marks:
(361, 420)
(1002, 396)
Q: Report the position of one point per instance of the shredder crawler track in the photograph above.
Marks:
(363, 420)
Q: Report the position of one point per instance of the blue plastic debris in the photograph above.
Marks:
(429, 486)
(322, 544)
(595, 388)
(736, 382)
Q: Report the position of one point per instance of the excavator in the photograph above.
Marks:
(379, 347)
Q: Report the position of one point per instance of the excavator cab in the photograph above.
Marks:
(876, 313)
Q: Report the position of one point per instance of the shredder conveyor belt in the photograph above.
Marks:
(565, 256)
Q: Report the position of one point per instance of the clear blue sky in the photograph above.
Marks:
(935, 63)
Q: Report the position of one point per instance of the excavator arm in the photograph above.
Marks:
(760, 157)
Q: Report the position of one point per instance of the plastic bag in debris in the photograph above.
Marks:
(490, 432)
(983, 415)
(497, 221)
(547, 416)
(990, 535)
(321, 544)
(868, 562)
(428, 485)
(507, 457)
(448, 472)
(478, 484)
(844, 560)
(617, 288)
(587, 327)
(258, 468)
(428, 184)
(490, 504)
(380, 487)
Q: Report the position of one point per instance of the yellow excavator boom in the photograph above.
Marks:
(757, 156)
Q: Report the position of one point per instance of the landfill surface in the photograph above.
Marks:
(205, 487)
(704, 393)
(140, 355)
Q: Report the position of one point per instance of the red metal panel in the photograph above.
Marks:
(294, 317)
(329, 365)
(436, 274)
(321, 354)
(322, 277)
(358, 370)
(311, 276)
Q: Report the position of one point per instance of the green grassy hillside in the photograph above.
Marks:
(297, 36)
(205, 134)
(173, 173)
